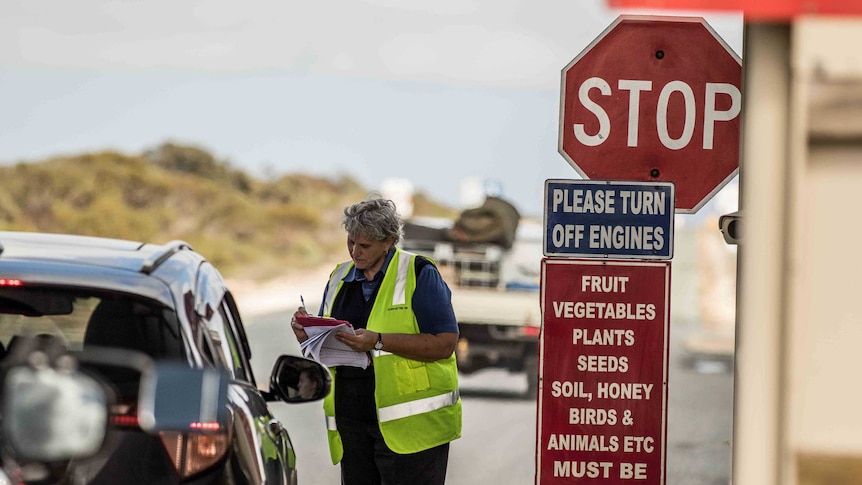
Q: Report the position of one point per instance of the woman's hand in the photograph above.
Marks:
(362, 341)
(298, 329)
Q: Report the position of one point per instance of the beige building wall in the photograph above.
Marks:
(799, 331)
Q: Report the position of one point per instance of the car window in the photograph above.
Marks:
(82, 318)
(214, 324)
(231, 347)
(213, 312)
(239, 345)
(227, 350)
(209, 350)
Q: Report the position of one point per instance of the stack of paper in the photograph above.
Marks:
(322, 345)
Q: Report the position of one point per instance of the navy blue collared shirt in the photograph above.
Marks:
(432, 300)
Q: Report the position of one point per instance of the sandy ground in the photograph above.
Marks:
(280, 294)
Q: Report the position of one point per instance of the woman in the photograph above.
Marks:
(392, 421)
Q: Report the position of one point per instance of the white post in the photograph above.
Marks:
(758, 380)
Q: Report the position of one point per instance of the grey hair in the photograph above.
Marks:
(376, 219)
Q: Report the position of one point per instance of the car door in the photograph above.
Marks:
(263, 452)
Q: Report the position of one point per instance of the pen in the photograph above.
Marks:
(301, 299)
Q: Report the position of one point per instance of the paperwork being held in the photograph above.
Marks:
(322, 345)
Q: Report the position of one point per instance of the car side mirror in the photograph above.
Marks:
(53, 415)
(297, 379)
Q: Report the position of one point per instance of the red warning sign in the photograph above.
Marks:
(602, 409)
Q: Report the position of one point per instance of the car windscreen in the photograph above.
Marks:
(84, 318)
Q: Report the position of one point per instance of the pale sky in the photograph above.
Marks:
(434, 92)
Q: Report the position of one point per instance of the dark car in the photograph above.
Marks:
(168, 302)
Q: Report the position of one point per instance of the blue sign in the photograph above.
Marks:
(609, 219)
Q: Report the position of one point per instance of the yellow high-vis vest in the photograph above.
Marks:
(418, 405)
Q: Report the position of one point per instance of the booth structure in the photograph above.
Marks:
(799, 320)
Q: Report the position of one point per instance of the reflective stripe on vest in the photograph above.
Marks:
(335, 278)
(412, 408)
(336, 450)
(399, 296)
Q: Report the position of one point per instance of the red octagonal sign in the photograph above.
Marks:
(655, 99)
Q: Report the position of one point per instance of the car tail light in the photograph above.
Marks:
(530, 331)
(124, 421)
(192, 453)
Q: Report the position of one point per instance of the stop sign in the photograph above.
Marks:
(655, 99)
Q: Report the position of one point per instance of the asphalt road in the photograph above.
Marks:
(499, 435)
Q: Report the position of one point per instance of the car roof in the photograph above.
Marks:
(92, 262)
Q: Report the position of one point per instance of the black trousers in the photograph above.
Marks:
(368, 461)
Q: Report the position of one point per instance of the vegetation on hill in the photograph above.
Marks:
(249, 228)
